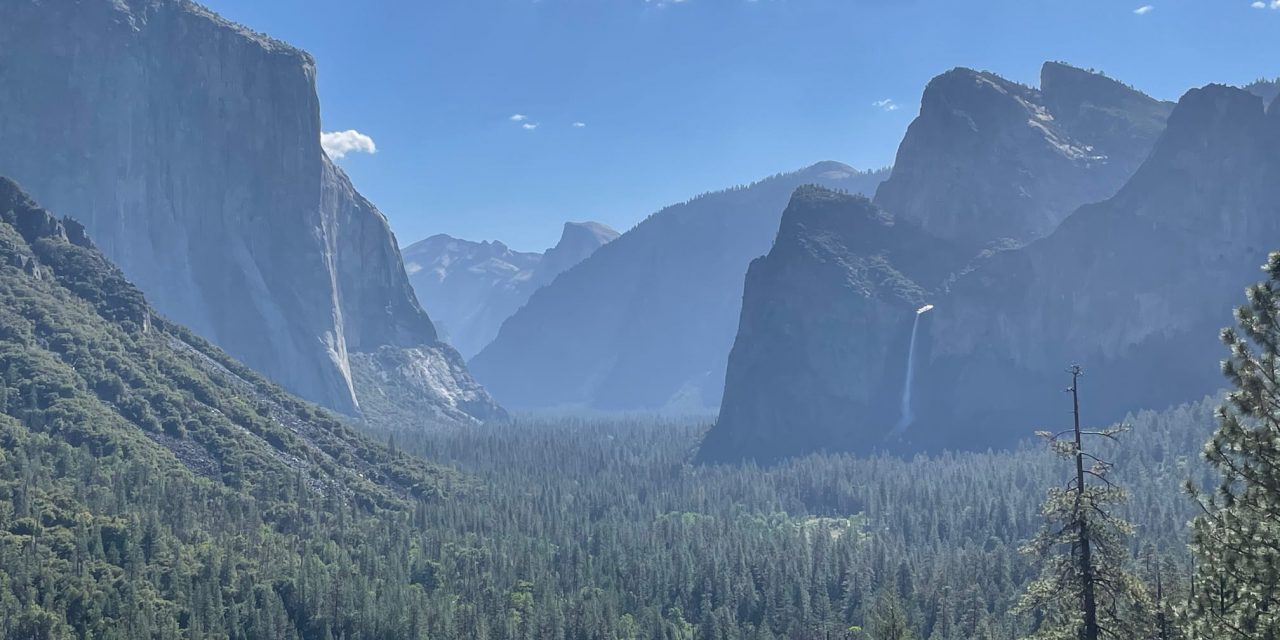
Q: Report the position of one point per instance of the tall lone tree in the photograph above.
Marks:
(1084, 591)
(1236, 539)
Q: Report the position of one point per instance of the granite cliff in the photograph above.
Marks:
(839, 266)
(1134, 288)
(190, 149)
(990, 159)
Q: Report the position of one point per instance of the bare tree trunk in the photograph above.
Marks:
(1088, 598)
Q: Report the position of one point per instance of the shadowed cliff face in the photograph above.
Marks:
(988, 159)
(190, 149)
(819, 358)
(470, 288)
(1133, 288)
(646, 323)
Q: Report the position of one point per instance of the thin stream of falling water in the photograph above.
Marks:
(906, 416)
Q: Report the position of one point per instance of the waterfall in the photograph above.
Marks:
(906, 416)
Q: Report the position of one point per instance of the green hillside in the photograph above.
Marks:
(149, 483)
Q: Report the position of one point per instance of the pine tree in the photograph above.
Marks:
(1236, 539)
(889, 621)
(1084, 590)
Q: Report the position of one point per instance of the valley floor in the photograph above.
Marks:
(601, 529)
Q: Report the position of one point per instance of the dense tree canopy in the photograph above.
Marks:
(1237, 535)
(152, 488)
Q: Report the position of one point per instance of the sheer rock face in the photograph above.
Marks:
(803, 375)
(990, 159)
(470, 288)
(1133, 288)
(647, 322)
(190, 149)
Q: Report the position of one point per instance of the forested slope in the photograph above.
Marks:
(152, 487)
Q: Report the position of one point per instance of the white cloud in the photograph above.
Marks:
(887, 104)
(339, 143)
(529, 126)
(519, 117)
(579, 125)
(1144, 9)
(1259, 4)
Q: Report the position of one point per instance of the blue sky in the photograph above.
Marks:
(674, 98)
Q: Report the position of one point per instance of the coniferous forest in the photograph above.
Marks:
(1015, 377)
(153, 488)
(149, 492)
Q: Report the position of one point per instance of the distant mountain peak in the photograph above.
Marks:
(1056, 75)
(470, 287)
(646, 322)
(989, 159)
(587, 231)
(831, 170)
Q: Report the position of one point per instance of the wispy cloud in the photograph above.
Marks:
(1144, 9)
(1259, 4)
(339, 143)
(519, 117)
(885, 105)
(579, 125)
(529, 126)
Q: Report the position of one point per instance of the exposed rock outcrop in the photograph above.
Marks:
(1133, 288)
(190, 149)
(803, 375)
(405, 387)
(646, 323)
(470, 288)
(988, 158)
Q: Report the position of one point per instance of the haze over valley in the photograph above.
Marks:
(705, 372)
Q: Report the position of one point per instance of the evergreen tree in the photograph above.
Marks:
(889, 622)
(1084, 590)
(1236, 539)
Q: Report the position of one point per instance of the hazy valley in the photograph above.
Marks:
(824, 404)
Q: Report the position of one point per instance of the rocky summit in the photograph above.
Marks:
(989, 159)
(470, 288)
(1133, 288)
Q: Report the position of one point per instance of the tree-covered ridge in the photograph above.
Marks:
(151, 485)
